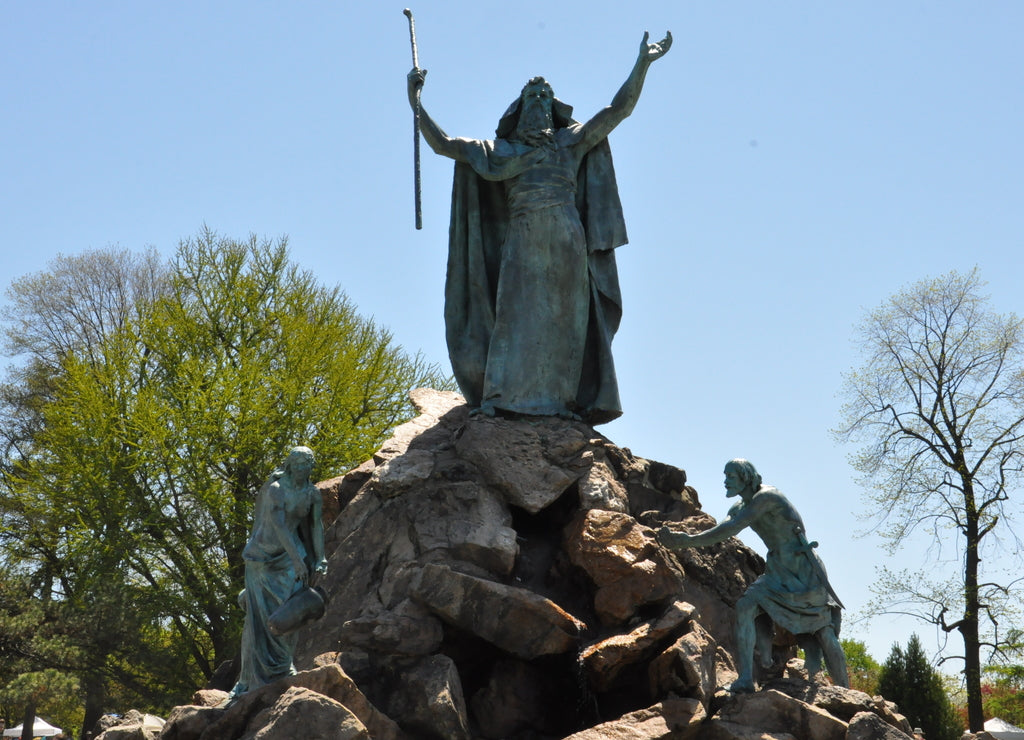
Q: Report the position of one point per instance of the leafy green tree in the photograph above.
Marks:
(907, 678)
(940, 405)
(1004, 693)
(863, 669)
(1004, 697)
(156, 433)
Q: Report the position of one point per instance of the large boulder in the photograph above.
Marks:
(323, 691)
(776, 712)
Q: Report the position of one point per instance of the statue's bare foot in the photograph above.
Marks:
(742, 686)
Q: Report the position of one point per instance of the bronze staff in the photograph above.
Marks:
(415, 123)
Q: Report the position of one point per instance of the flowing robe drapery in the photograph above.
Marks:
(532, 299)
(271, 578)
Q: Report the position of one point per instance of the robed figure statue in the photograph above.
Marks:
(532, 296)
(284, 550)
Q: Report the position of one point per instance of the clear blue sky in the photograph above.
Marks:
(790, 165)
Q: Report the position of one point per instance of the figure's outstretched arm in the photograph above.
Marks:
(435, 137)
(626, 98)
(738, 519)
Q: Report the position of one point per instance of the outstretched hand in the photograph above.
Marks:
(671, 539)
(650, 52)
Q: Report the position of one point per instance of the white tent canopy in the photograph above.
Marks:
(40, 728)
(1003, 730)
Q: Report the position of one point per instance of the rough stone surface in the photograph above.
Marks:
(605, 661)
(303, 713)
(629, 569)
(869, 726)
(776, 712)
(688, 667)
(840, 702)
(718, 729)
(428, 700)
(678, 719)
(134, 725)
(238, 719)
(600, 489)
(527, 462)
(513, 619)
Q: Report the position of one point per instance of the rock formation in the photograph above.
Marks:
(499, 578)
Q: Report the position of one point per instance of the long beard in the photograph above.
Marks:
(535, 127)
(536, 137)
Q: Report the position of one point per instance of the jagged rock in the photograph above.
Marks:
(840, 702)
(330, 495)
(209, 697)
(426, 698)
(599, 489)
(301, 712)
(133, 726)
(888, 711)
(869, 726)
(606, 660)
(409, 629)
(723, 730)
(774, 711)
(189, 722)
(516, 620)
(439, 412)
(678, 719)
(624, 561)
(688, 667)
(402, 472)
(237, 720)
(469, 523)
(527, 462)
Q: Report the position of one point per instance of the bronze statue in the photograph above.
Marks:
(285, 548)
(532, 297)
(793, 592)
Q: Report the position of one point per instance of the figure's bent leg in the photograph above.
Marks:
(812, 654)
(765, 631)
(746, 612)
(835, 658)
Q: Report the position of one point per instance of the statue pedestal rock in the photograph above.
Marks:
(501, 578)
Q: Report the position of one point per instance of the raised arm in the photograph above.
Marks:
(473, 152)
(435, 137)
(626, 98)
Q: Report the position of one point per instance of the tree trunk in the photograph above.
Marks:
(969, 625)
(29, 721)
(94, 699)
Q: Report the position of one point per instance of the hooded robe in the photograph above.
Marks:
(532, 297)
